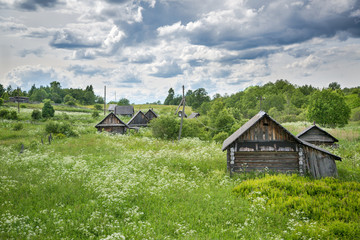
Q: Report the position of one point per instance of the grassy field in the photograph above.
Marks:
(102, 186)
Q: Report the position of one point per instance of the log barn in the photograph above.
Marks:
(263, 143)
(111, 123)
(150, 114)
(138, 120)
(124, 110)
(317, 136)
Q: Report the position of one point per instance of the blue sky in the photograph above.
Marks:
(139, 49)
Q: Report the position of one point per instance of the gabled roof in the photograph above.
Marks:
(151, 111)
(112, 107)
(102, 124)
(193, 115)
(254, 120)
(124, 110)
(318, 128)
(138, 113)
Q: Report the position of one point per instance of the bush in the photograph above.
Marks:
(18, 126)
(60, 128)
(23, 106)
(1, 101)
(95, 114)
(36, 114)
(4, 113)
(166, 127)
(98, 107)
(220, 137)
(48, 110)
(13, 115)
(71, 103)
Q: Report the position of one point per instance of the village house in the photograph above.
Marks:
(150, 114)
(111, 123)
(317, 136)
(124, 110)
(138, 120)
(263, 143)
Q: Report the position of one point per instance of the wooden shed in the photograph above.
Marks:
(263, 143)
(317, 136)
(138, 120)
(124, 110)
(111, 123)
(112, 107)
(150, 114)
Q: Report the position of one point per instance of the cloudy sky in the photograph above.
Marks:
(141, 48)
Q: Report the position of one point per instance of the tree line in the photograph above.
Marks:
(55, 93)
(332, 106)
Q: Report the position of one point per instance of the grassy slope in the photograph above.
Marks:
(107, 186)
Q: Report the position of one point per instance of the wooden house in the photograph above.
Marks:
(150, 114)
(193, 115)
(112, 107)
(19, 99)
(263, 143)
(124, 110)
(111, 123)
(138, 120)
(317, 136)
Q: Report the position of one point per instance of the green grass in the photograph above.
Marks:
(103, 186)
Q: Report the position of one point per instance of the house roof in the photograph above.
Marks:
(102, 124)
(318, 128)
(141, 113)
(151, 111)
(124, 110)
(193, 115)
(112, 107)
(254, 120)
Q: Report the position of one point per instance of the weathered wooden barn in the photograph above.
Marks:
(150, 114)
(263, 143)
(124, 110)
(111, 123)
(138, 120)
(317, 136)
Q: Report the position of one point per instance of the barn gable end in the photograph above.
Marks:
(263, 143)
(138, 120)
(111, 123)
(317, 136)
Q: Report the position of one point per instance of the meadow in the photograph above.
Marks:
(104, 186)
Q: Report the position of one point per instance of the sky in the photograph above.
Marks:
(139, 49)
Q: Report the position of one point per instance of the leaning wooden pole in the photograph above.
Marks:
(183, 112)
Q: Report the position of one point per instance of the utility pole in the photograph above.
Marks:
(183, 111)
(104, 100)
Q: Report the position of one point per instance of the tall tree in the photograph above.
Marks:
(170, 97)
(123, 102)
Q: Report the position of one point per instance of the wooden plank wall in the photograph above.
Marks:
(319, 164)
(316, 136)
(275, 161)
(111, 119)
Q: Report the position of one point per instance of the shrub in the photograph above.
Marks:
(166, 127)
(47, 110)
(1, 101)
(18, 126)
(4, 113)
(98, 107)
(71, 103)
(36, 114)
(60, 128)
(13, 115)
(220, 137)
(23, 106)
(95, 114)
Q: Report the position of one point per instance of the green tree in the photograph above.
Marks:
(1, 101)
(47, 110)
(2, 90)
(36, 114)
(328, 108)
(166, 127)
(170, 97)
(39, 95)
(334, 86)
(198, 97)
(123, 102)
